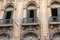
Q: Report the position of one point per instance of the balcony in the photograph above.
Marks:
(30, 21)
(54, 20)
(6, 22)
(9, 1)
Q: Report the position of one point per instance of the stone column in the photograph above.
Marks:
(24, 13)
(17, 21)
(1, 11)
(38, 14)
(44, 20)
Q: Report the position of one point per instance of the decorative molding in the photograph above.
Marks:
(31, 3)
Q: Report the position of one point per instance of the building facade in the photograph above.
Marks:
(29, 19)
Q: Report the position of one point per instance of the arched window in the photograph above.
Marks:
(31, 12)
(8, 14)
(55, 10)
(4, 37)
(30, 36)
(56, 36)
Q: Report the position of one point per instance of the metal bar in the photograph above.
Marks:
(6, 21)
(30, 20)
(55, 18)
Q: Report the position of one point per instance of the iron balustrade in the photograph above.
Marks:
(9, 1)
(6, 21)
(54, 19)
(30, 20)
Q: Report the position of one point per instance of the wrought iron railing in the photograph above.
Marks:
(6, 21)
(10, 1)
(54, 19)
(30, 20)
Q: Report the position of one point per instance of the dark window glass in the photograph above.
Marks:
(8, 17)
(8, 14)
(31, 13)
(54, 12)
